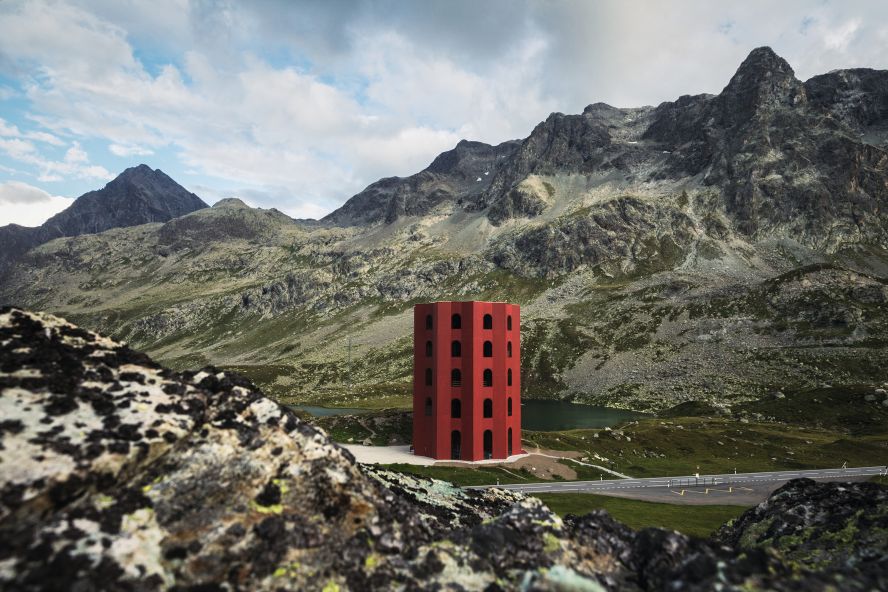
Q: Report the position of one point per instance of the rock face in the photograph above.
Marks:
(459, 175)
(785, 165)
(118, 474)
(137, 196)
(841, 527)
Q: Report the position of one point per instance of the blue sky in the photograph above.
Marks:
(299, 105)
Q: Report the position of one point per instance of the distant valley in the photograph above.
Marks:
(719, 248)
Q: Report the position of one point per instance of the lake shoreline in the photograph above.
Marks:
(538, 415)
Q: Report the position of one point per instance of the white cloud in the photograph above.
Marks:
(10, 130)
(75, 163)
(27, 205)
(840, 37)
(20, 150)
(76, 154)
(44, 137)
(128, 150)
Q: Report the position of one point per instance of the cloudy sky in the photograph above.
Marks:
(299, 105)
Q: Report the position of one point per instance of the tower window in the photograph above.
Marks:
(455, 377)
(509, 377)
(456, 322)
(455, 409)
(488, 377)
(428, 321)
(488, 408)
(455, 349)
(509, 407)
(509, 323)
(488, 349)
(428, 377)
(509, 349)
(428, 349)
(488, 321)
(428, 406)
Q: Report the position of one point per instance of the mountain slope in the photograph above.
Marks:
(715, 248)
(138, 195)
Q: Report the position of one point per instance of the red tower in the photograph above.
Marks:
(467, 380)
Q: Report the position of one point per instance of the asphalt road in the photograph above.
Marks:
(690, 489)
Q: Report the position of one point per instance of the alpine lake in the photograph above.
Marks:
(539, 415)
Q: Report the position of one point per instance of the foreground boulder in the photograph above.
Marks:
(118, 474)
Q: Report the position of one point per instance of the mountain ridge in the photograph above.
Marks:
(138, 195)
(648, 247)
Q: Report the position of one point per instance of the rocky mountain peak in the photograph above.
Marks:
(143, 178)
(764, 81)
(138, 195)
(447, 161)
(231, 203)
(601, 109)
(139, 169)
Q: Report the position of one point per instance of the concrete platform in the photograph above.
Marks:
(376, 455)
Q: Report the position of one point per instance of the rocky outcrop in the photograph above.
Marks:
(613, 237)
(784, 164)
(581, 144)
(459, 175)
(840, 527)
(137, 196)
(228, 220)
(119, 474)
(857, 97)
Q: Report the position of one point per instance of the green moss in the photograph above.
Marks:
(754, 535)
(273, 509)
(551, 543)
(371, 561)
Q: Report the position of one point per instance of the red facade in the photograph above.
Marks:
(467, 380)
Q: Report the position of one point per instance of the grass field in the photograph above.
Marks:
(698, 521)
(678, 445)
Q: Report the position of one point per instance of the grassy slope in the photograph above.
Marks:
(698, 521)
